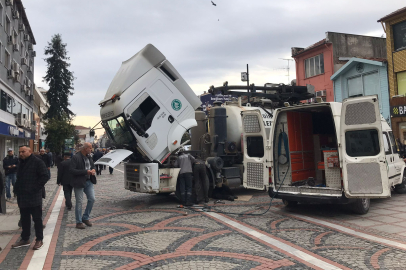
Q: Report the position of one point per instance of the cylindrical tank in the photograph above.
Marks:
(218, 129)
(198, 131)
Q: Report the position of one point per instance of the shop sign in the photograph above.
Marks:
(398, 111)
(13, 131)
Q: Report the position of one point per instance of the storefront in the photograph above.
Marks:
(398, 117)
(13, 137)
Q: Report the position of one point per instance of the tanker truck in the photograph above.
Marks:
(149, 106)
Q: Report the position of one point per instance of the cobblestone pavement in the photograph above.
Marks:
(141, 231)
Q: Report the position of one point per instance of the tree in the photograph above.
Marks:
(59, 79)
(57, 130)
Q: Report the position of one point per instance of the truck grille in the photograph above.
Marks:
(255, 175)
(133, 173)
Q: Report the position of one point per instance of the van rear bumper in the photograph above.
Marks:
(310, 198)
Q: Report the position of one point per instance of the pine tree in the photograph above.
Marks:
(59, 79)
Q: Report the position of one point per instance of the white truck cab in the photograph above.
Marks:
(327, 152)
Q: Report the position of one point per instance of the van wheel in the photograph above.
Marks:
(289, 203)
(401, 188)
(361, 206)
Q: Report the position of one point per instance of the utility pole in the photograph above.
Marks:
(288, 68)
(248, 79)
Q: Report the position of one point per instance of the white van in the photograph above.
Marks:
(334, 152)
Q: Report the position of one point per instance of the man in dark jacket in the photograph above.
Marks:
(64, 178)
(47, 161)
(51, 158)
(31, 178)
(10, 163)
(96, 157)
(184, 162)
(82, 167)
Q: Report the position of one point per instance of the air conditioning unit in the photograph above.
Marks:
(9, 2)
(16, 47)
(29, 69)
(27, 92)
(318, 94)
(324, 93)
(20, 119)
(24, 61)
(16, 77)
(16, 14)
(21, 27)
(10, 74)
(26, 37)
(32, 97)
(27, 123)
(10, 40)
(30, 47)
(23, 88)
(34, 54)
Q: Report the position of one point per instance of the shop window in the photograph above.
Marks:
(255, 146)
(314, 66)
(401, 79)
(9, 104)
(362, 143)
(399, 36)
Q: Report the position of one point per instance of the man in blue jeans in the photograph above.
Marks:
(82, 168)
(10, 164)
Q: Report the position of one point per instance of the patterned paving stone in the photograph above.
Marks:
(354, 259)
(199, 221)
(142, 217)
(292, 224)
(394, 260)
(74, 236)
(187, 265)
(151, 241)
(239, 243)
(299, 237)
(343, 240)
(84, 263)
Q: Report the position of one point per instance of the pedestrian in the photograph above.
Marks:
(64, 178)
(184, 162)
(111, 169)
(51, 159)
(47, 161)
(1, 190)
(200, 181)
(96, 157)
(82, 168)
(31, 178)
(10, 164)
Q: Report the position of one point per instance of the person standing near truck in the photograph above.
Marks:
(184, 162)
(64, 178)
(10, 163)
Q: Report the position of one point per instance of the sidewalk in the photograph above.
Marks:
(9, 223)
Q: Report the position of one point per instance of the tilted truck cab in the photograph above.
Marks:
(332, 153)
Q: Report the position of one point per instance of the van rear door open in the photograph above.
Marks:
(364, 165)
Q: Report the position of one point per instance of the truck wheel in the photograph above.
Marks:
(401, 188)
(361, 206)
(289, 203)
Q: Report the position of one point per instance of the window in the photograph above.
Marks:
(386, 144)
(255, 146)
(3, 101)
(21, 48)
(393, 143)
(361, 143)
(314, 66)
(1, 14)
(7, 26)
(399, 36)
(21, 76)
(118, 131)
(7, 59)
(1, 52)
(9, 104)
(355, 87)
(401, 79)
(17, 108)
(144, 114)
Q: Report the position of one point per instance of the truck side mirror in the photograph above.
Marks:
(91, 133)
(140, 131)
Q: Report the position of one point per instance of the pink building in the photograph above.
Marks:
(318, 62)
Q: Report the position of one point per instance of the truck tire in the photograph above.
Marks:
(361, 206)
(288, 203)
(401, 188)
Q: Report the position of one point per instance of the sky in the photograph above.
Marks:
(207, 44)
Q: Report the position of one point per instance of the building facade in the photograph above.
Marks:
(363, 77)
(17, 125)
(394, 25)
(317, 63)
(40, 108)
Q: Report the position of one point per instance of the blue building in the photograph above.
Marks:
(363, 77)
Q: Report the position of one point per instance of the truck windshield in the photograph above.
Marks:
(119, 131)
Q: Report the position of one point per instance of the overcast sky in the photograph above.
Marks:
(207, 44)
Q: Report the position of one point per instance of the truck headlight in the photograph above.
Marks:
(146, 169)
(145, 180)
